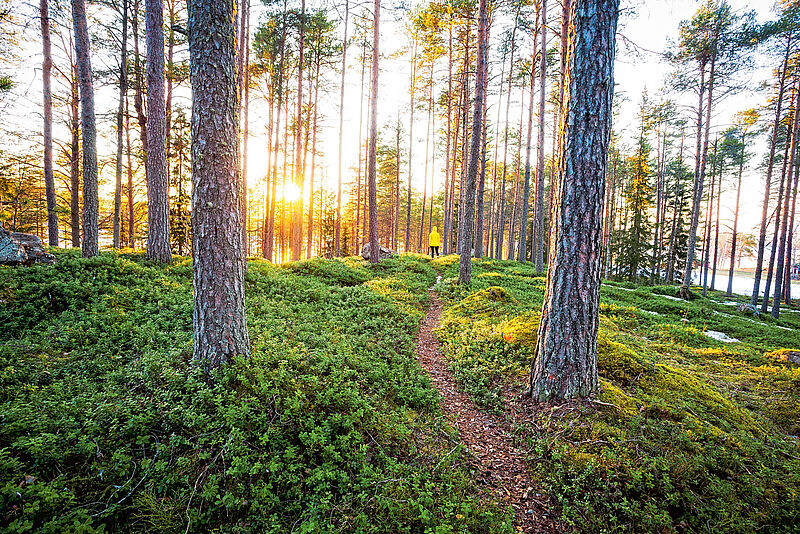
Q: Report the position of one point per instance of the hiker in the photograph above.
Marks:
(433, 242)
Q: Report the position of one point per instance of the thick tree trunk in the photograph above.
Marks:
(91, 204)
(565, 365)
(374, 253)
(220, 328)
(706, 253)
(538, 224)
(762, 235)
(466, 214)
(158, 244)
(47, 129)
(123, 89)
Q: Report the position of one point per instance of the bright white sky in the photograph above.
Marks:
(652, 25)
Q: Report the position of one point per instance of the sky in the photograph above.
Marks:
(647, 29)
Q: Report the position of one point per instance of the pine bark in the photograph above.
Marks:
(565, 365)
(729, 290)
(91, 204)
(220, 327)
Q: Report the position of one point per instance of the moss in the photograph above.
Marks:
(522, 330)
(617, 362)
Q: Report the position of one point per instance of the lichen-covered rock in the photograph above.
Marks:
(748, 309)
(17, 248)
(11, 250)
(383, 253)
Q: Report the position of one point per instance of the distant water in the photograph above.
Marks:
(742, 284)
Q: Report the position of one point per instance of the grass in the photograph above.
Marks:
(690, 434)
(107, 425)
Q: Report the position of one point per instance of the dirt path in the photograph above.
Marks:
(488, 438)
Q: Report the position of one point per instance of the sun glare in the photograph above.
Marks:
(291, 192)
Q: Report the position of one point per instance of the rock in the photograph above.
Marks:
(17, 248)
(748, 309)
(792, 356)
(11, 250)
(383, 254)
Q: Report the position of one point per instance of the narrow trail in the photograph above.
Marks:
(487, 438)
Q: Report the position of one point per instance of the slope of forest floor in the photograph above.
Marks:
(330, 426)
(688, 433)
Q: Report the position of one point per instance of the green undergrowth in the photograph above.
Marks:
(330, 426)
(687, 434)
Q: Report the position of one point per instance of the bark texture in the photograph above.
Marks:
(91, 205)
(565, 365)
(158, 246)
(220, 328)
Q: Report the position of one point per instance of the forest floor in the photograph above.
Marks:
(370, 404)
(488, 438)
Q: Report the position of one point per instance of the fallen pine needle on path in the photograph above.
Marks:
(487, 438)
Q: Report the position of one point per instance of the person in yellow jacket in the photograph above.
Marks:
(434, 241)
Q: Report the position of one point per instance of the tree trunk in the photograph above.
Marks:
(270, 245)
(130, 171)
(158, 243)
(245, 75)
(776, 301)
(47, 129)
(338, 231)
(479, 241)
(310, 229)
(788, 163)
(787, 285)
(427, 147)
(706, 253)
(74, 164)
(565, 365)
(220, 327)
(91, 204)
(466, 214)
(123, 89)
(768, 182)
(523, 227)
(538, 224)
(502, 214)
(297, 209)
(412, 91)
(374, 252)
(729, 291)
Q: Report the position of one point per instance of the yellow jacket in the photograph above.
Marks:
(434, 240)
